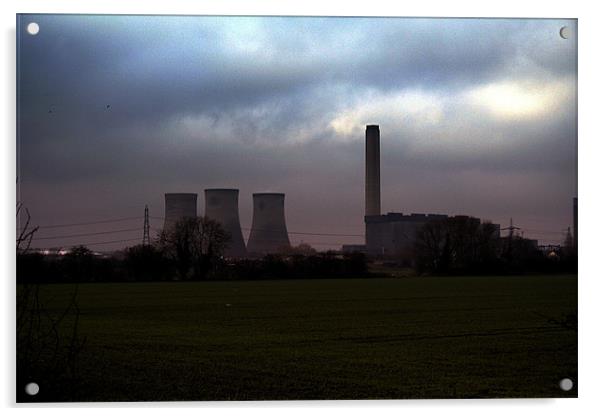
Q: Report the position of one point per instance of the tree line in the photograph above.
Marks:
(464, 245)
(190, 250)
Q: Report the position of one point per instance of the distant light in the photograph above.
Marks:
(33, 28)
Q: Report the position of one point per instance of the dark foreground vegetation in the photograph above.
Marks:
(422, 337)
(147, 263)
(463, 245)
(193, 250)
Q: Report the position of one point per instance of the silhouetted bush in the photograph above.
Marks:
(146, 263)
(31, 268)
(78, 266)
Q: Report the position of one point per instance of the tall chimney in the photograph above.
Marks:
(372, 170)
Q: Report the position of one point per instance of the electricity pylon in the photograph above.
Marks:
(146, 236)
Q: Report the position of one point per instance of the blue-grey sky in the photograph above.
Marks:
(476, 116)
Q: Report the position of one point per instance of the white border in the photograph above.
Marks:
(590, 348)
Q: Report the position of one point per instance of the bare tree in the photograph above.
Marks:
(177, 242)
(455, 244)
(209, 246)
(194, 245)
(48, 344)
(25, 233)
(432, 247)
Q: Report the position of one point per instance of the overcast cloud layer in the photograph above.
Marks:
(476, 116)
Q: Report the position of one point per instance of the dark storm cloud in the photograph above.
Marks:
(280, 104)
(156, 67)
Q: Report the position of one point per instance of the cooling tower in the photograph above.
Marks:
(372, 170)
(221, 205)
(178, 206)
(268, 232)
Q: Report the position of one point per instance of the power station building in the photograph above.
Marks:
(393, 234)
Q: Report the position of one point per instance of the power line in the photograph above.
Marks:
(104, 242)
(244, 228)
(109, 242)
(304, 242)
(316, 234)
(294, 232)
(85, 234)
(315, 243)
(89, 223)
(362, 235)
(543, 231)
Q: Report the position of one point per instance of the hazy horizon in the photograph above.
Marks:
(476, 116)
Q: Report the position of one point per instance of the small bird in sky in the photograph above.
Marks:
(108, 106)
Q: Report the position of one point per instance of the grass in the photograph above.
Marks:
(437, 337)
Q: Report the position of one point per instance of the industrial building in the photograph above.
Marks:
(268, 231)
(393, 234)
(221, 205)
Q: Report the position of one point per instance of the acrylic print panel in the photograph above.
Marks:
(289, 208)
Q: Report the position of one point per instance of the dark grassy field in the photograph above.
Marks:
(446, 337)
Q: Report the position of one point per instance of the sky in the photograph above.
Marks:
(476, 116)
